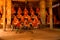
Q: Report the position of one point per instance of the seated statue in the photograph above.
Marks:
(19, 13)
(35, 22)
(22, 19)
(26, 14)
(15, 20)
(25, 11)
(26, 24)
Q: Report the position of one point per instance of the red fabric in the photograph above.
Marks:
(34, 24)
(18, 24)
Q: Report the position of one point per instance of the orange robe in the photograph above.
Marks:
(15, 21)
(26, 24)
(35, 22)
(22, 19)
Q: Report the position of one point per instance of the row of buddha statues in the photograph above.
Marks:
(25, 19)
(29, 17)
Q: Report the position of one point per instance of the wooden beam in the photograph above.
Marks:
(25, 0)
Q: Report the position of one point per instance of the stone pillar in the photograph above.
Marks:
(50, 12)
(1, 12)
(8, 13)
(3, 16)
(42, 11)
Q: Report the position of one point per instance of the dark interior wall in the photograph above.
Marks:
(56, 10)
(18, 4)
(27, 5)
(59, 11)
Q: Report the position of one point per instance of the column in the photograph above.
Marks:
(8, 13)
(50, 12)
(42, 11)
(3, 16)
(1, 12)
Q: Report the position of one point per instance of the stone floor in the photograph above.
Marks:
(38, 34)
